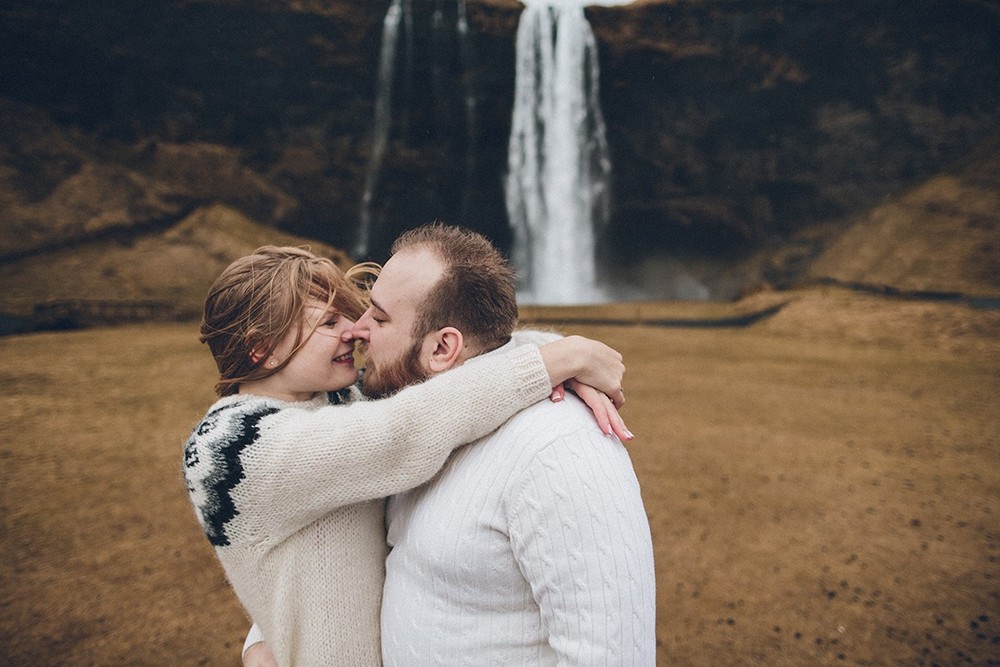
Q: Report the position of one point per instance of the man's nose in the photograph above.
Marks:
(360, 329)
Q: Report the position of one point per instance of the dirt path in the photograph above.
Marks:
(822, 486)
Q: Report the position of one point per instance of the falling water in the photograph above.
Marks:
(465, 56)
(399, 22)
(383, 119)
(559, 168)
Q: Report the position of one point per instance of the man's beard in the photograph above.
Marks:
(384, 380)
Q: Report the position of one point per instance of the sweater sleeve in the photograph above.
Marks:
(254, 636)
(305, 463)
(534, 337)
(580, 536)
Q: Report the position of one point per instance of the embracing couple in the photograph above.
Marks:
(459, 507)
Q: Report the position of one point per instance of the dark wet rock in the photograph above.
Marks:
(730, 123)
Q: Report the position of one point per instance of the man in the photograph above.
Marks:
(531, 546)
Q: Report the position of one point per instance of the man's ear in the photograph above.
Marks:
(443, 349)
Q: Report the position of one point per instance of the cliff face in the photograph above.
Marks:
(731, 122)
(173, 105)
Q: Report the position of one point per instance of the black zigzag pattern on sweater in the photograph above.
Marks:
(227, 467)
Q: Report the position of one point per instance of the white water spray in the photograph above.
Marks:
(398, 23)
(383, 119)
(559, 167)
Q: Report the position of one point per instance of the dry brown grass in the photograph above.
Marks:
(822, 488)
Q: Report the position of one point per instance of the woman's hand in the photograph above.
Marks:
(590, 362)
(259, 655)
(607, 416)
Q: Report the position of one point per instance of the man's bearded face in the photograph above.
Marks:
(383, 379)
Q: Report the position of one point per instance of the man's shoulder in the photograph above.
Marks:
(570, 413)
(561, 444)
(548, 423)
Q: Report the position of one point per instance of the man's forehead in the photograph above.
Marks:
(405, 278)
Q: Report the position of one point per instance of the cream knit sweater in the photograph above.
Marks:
(530, 547)
(292, 495)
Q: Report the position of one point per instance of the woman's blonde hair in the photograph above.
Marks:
(260, 298)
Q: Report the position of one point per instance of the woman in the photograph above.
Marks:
(288, 470)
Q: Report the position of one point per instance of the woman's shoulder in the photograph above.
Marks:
(235, 414)
(229, 416)
(239, 404)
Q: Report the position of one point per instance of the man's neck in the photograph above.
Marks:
(475, 350)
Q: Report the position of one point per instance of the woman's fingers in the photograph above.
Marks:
(604, 409)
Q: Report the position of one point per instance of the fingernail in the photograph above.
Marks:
(629, 435)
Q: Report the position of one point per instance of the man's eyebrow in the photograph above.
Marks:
(377, 305)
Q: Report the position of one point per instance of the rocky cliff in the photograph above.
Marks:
(732, 123)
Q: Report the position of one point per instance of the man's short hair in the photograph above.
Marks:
(476, 293)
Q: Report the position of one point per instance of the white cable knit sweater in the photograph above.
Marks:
(530, 547)
(292, 495)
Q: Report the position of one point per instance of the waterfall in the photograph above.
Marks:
(383, 119)
(465, 58)
(559, 167)
(399, 23)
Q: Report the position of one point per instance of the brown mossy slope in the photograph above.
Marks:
(175, 266)
(941, 236)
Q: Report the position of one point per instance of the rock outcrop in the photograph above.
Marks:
(732, 122)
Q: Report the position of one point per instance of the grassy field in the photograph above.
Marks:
(823, 487)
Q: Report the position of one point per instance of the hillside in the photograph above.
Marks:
(92, 217)
(172, 267)
(942, 236)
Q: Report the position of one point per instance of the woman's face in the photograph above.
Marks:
(324, 362)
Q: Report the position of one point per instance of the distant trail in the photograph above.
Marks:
(982, 302)
(742, 320)
(746, 319)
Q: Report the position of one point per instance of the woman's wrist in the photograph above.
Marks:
(562, 360)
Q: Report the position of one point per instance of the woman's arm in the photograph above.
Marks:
(305, 463)
(535, 337)
(280, 467)
(587, 361)
(605, 411)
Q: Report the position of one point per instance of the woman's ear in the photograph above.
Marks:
(443, 349)
(258, 350)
